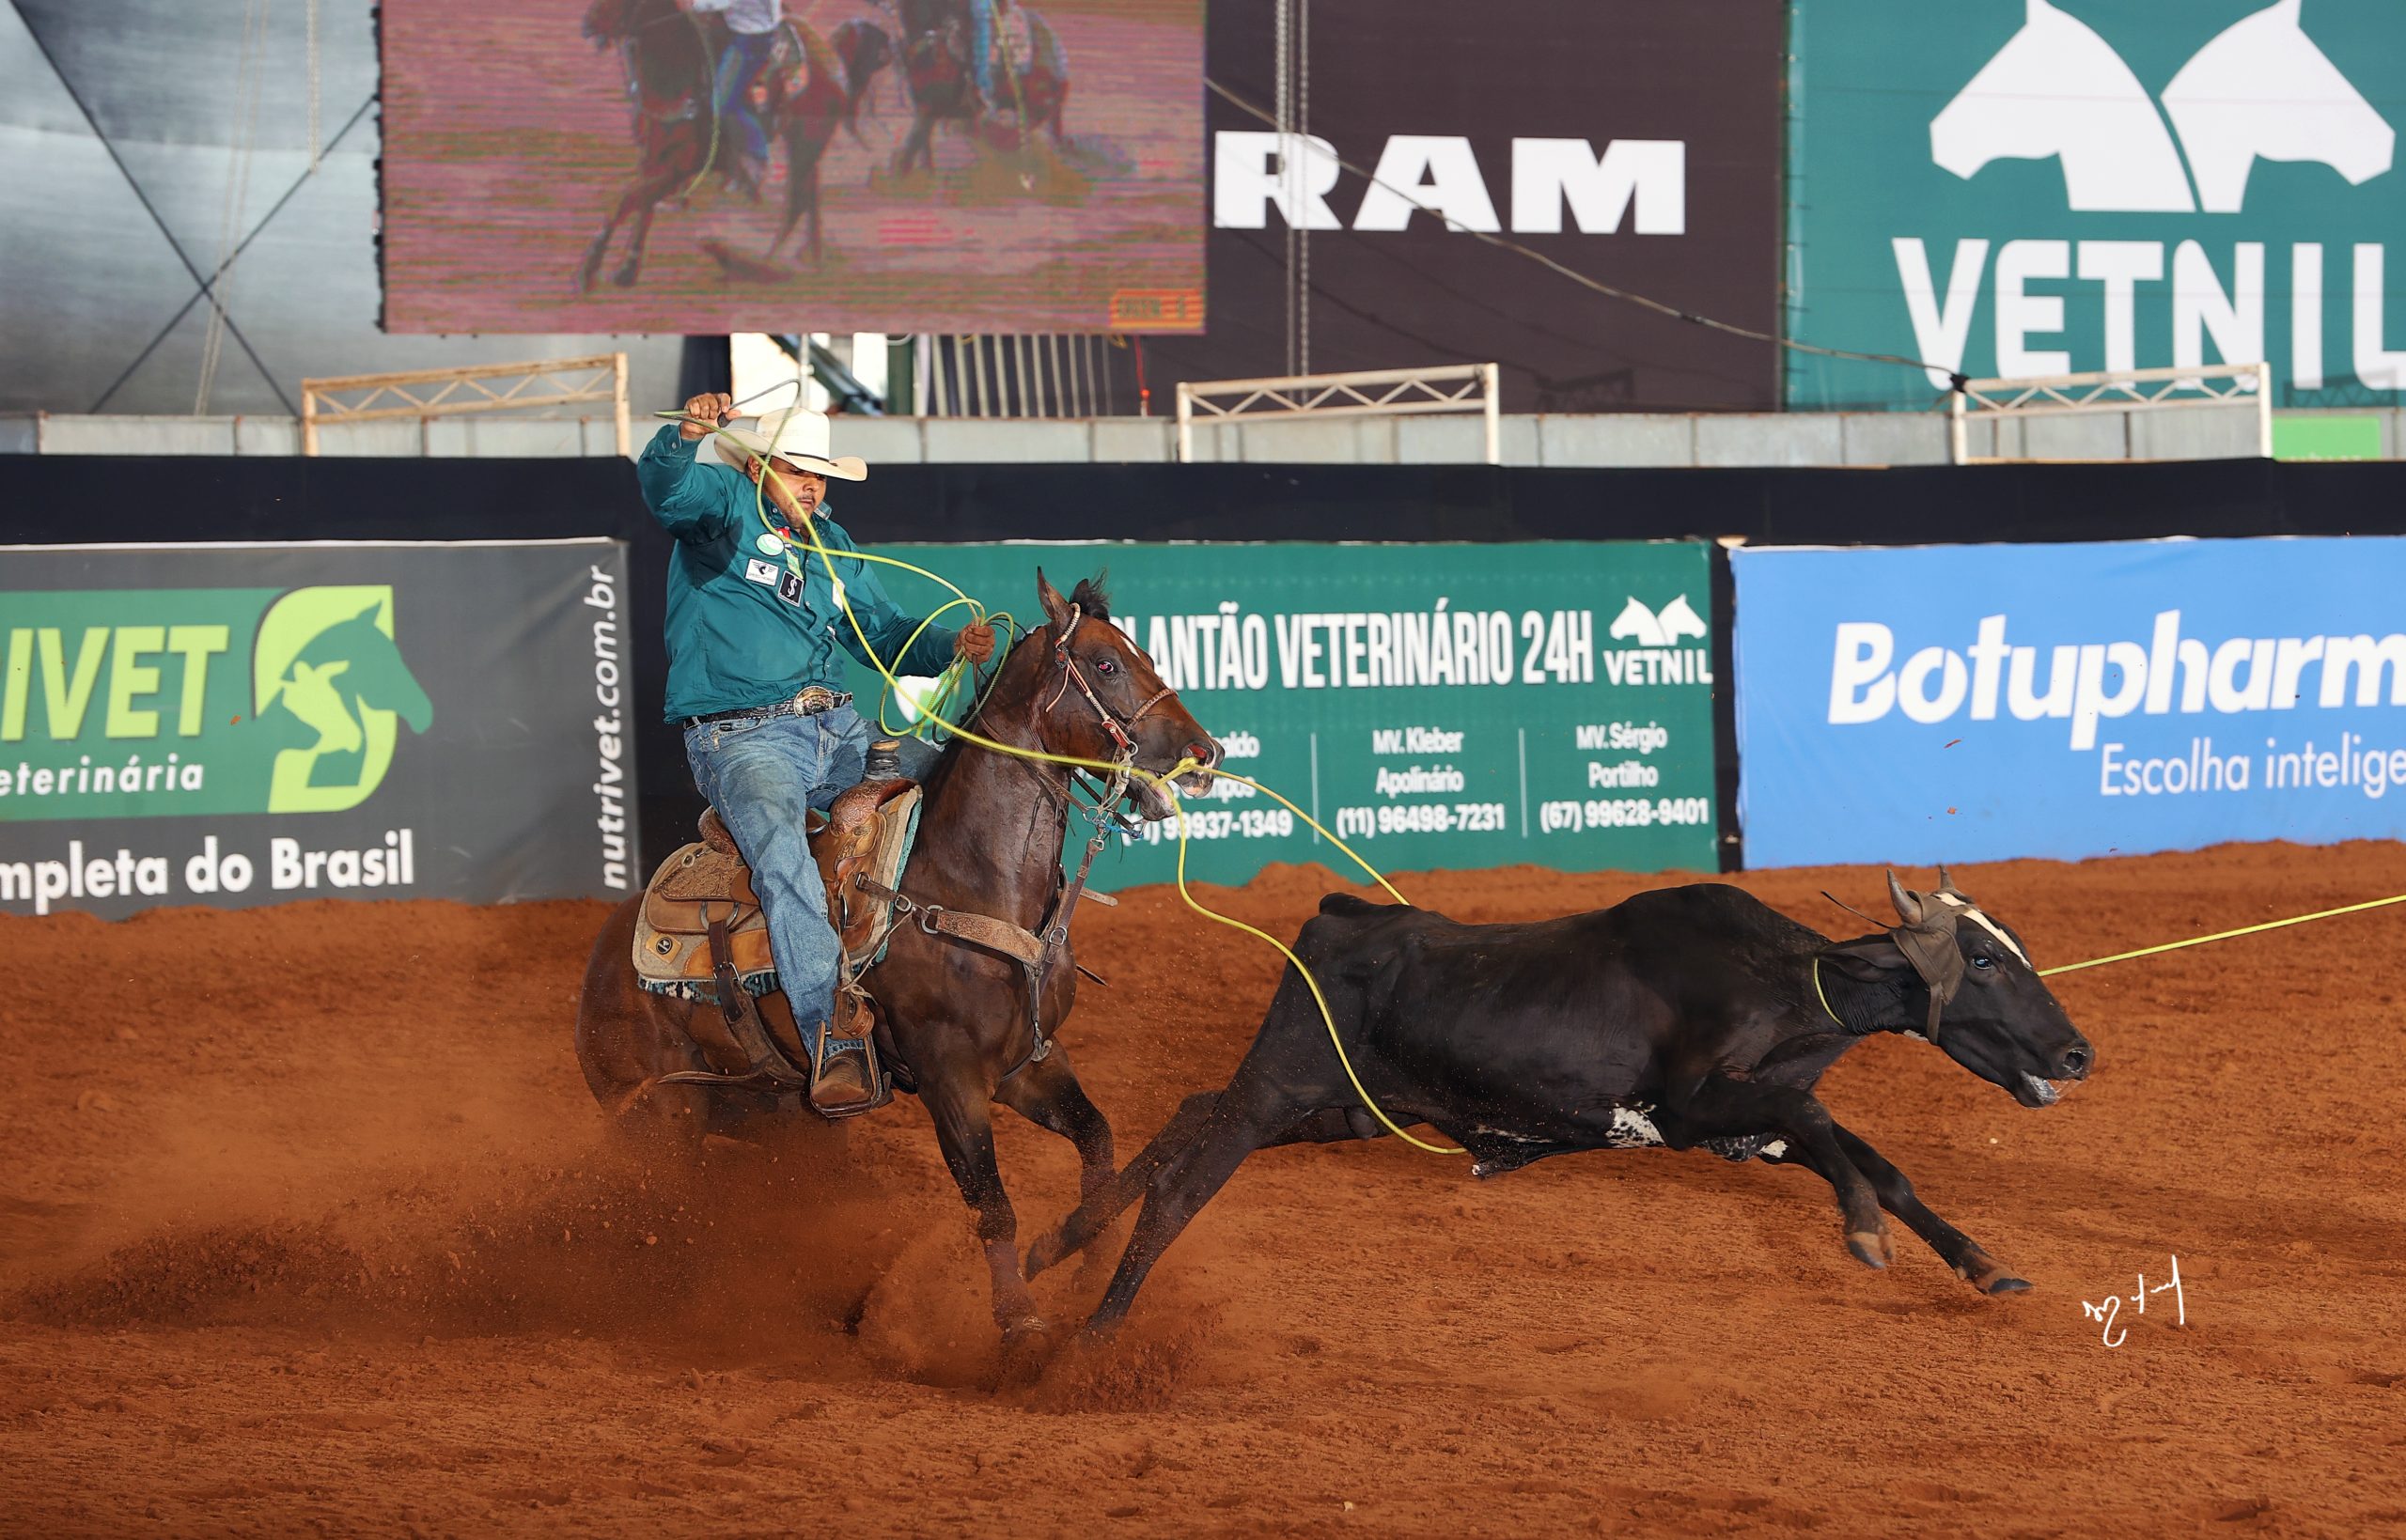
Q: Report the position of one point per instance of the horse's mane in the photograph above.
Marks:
(1089, 596)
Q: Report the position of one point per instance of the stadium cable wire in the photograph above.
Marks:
(316, 154)
(1956, 380)
(948, 685)
(166, 232)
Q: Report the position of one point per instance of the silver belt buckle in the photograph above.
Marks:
(815, 700)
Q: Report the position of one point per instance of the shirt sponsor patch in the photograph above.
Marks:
(790, 587)
(770, 545)
(760, 571)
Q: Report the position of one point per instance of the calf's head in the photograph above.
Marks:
(1987, 1006)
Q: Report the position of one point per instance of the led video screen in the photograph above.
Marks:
(705, 166)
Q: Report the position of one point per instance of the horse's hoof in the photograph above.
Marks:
(1043, 1254)
(625, 276)
(1871, 1248)
(1986, 1274)
(1026, 1347)
(1027, 1329)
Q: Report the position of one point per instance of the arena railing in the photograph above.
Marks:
(1363, 392)
(2181, 385)
(429, 393)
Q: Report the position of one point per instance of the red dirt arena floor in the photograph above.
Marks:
(306, 1224)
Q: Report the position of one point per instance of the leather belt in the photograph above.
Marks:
(812, 702)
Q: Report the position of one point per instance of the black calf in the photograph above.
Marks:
(1686, 1017)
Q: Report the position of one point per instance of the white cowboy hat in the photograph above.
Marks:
(798, 437)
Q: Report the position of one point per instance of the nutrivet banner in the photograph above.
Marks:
(1963, 703)
(1432, 706)
(240, 725)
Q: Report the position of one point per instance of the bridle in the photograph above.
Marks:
(1113, 722)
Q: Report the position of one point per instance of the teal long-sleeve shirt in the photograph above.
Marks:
(748, 627)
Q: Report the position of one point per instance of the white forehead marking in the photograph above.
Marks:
(1973, 914)
(1633, 1130)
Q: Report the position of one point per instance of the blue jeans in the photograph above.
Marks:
(761, 773)
(981, 19)
(730, 91)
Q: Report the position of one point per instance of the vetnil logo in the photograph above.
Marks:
(2259, 90)
(2048, 187)
(153, 702)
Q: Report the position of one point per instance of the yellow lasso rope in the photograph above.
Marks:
(1165, 782)
(2226, 935)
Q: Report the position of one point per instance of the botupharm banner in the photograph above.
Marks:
(1963, 703)
(237, 724)
(1434, 705)
(2032, 187)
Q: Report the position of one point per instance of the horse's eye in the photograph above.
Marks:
(1104, 665)
(1979, 961)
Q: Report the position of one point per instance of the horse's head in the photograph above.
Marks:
(354, 665)
(1987, 1006)
(865, 49)
(2056, 88)
(2226, 118)
(1096, 696)
(608, 20)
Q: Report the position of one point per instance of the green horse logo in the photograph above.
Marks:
(330, 683)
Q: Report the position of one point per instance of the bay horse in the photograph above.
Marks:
(939, 70)
(865, 48)
(670, 56)
(991, 830)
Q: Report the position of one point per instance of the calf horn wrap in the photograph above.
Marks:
(1928, 941)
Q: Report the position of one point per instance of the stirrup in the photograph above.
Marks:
(844, 1077)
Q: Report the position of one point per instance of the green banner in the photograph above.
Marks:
(237, 724)
(2026, 188)
(1434, 705)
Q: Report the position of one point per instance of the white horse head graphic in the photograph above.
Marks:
(2056, 88)
(1679, 618)
(2263, 90)
(1637, 622)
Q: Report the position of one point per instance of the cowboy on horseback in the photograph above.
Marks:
(754, 677)
(751, 36)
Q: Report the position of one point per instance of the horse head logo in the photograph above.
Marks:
(2261, 89)
(2058, 89)
(1649, 629)
(328, 676)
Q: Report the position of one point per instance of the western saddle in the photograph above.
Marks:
(701, 935)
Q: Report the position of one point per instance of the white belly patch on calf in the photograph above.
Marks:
(1633, 1130)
